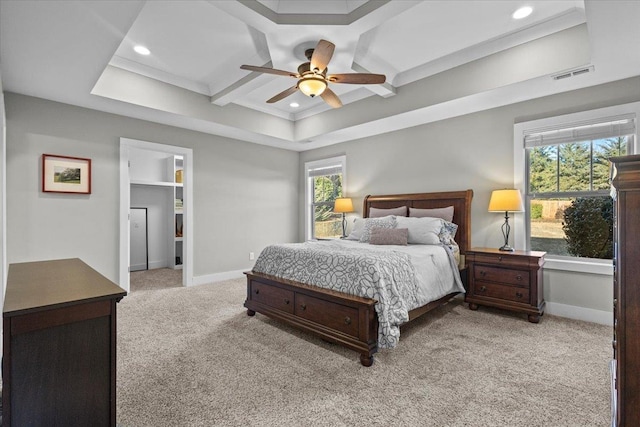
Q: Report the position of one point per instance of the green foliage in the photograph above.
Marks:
(588, 226)
(579, 166)
(543, 169)
(574, 173)
(326, 189)
(536, 211)
(602, 152)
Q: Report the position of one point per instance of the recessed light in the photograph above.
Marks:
(141, 50)
(523, 12)
(294, 105)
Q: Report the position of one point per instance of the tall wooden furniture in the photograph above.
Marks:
(59, 345)
(508, 280)
(625, 402)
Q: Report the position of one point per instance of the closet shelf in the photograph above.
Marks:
(154, 183)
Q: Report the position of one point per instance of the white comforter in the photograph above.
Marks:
(400, 278)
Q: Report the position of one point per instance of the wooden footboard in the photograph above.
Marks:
(344, 319)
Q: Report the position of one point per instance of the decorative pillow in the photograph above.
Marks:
(444, 213)
(422, 231)
(385, 222)
(448, 233)
(379, 212)
(356, 231)
(389, 236)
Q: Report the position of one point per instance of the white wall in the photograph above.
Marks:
(3, 195)
(150, 166)
(245, 195)
(157, 200)
(474, 151)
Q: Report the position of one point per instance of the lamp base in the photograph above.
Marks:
(506, 248)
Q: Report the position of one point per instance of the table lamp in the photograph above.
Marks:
(343, 205)
(508, 200)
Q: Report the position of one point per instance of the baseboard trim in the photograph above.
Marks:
(580, 313)
(158, 264)
(219, 277)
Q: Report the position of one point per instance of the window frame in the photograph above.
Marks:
(520, 174)
(308, 188)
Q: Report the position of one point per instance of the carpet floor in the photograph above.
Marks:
(192, 357)
(158, 278)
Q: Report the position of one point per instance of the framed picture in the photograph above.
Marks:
(62, 174)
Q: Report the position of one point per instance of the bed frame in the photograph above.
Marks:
(344, 319)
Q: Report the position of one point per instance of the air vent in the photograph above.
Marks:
(573, 73)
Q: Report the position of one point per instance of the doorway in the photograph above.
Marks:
(128, 148)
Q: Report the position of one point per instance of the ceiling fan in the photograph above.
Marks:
(312, 76)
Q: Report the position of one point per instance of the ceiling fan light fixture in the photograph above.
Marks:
(312, 85)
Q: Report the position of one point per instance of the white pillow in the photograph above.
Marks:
(422, 231)
(358, 228)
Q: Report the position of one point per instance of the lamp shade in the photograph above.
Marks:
(343, 205)
(506, 200)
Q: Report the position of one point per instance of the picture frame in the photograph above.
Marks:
(65, 174)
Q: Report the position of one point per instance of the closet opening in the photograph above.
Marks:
(158, 179)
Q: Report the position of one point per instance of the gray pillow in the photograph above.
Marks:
(444, 213)
(385, 222)
(389, 236)
(380, 212)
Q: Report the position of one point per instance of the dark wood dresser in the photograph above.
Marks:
(59, 345)
(508, 280)
(625, 367)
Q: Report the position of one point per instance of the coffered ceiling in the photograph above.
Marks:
(440, 58)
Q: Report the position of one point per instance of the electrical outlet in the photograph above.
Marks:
(251, 256)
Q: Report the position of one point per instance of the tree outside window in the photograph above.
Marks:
(571, 212)
(326, 189)
(324, 183)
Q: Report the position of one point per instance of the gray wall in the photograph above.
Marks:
(245, 195)
(473, 151)
(158, 201)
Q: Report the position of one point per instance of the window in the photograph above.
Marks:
(324, 184)
(569, 212)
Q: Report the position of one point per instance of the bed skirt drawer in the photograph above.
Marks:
(336, 316)
(504, 292)
(278, 298)
(502, 275)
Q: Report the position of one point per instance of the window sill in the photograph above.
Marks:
(589, 266)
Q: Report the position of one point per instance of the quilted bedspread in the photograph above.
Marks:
(388, 276)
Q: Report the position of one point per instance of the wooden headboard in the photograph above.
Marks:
(460, 200)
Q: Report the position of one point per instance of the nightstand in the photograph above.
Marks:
(508, 280)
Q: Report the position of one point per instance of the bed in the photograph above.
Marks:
(342, 318)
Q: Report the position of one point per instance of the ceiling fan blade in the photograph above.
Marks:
(357, 78)
(283, 94)
(331, 98)
(269, 70)
(322, 54)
